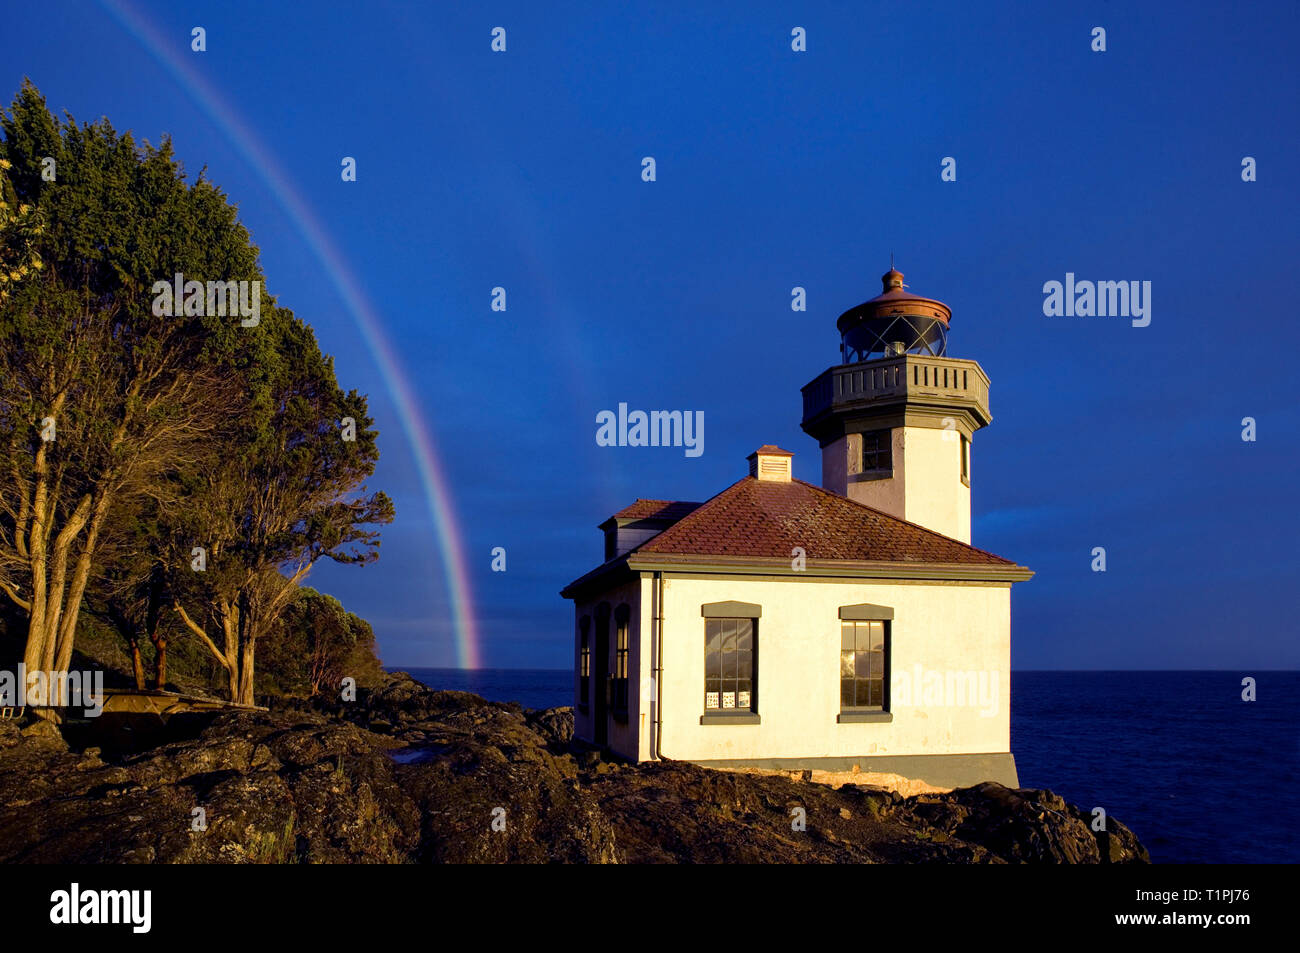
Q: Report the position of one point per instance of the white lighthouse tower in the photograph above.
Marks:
(896, 418)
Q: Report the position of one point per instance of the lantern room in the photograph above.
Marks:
(893, 323)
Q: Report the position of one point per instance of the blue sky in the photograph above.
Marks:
(774, 169)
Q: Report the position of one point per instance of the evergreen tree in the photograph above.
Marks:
(120, 426)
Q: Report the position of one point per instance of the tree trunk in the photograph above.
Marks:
(246, 671)
(34, 653)
(81, 575)
(38, 653)
(316, 669)
(160, 662)
(137, 663)
(230, 628)
(247, 642)
(153, 625)
(54, 659)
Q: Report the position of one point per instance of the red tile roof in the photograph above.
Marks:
(655, 509)
(757, 523)
(767, 518)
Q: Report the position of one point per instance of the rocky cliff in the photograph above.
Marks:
(412, 775)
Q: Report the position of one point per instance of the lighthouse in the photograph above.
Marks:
(897, 416)
(881, 650)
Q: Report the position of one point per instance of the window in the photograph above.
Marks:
(877, 450)
(965, 460)
(863, 648)
(584, 661)
(619, 682)
(729, 665)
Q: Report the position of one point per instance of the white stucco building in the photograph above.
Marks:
(786, 625)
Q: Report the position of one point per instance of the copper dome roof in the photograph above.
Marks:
(892, 303)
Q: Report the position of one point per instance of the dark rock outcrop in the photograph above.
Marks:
(407, 774)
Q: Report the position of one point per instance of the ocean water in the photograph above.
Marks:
(531, 687)
(1198, 774)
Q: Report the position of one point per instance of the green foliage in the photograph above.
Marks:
(174, 431)
(21, 227)
(314, 645)
(120, 217)
(288, 492)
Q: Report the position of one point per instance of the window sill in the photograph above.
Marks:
(732, 718)
(864, 717)
(866, 476)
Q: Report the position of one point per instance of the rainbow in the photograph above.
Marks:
(437, 493)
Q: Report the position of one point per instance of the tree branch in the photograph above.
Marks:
(13, 594)
(198, 630)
